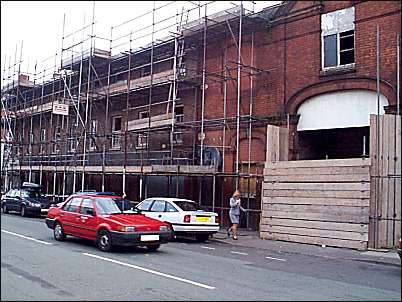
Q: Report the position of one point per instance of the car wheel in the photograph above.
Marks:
(202, 237)
(58, 232)
(24, 211)
(153, 248)
(104, 241)
(5, 210)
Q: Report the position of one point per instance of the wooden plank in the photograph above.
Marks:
(397, 179)
(382, 193)
(348, 162)
(360, 245)
(338, 210)
(326, 186)
(283, 144)
(390, 121)
(315, 232)
(318, 201)
(319, 194)
(318, 170)
(318, 178)
(330, 217)
(322, 225)
(272, 153)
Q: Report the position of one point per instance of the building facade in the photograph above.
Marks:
(187, 115)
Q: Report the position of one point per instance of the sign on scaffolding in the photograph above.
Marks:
(61, 109)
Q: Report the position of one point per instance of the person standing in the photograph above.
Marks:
(234, 213)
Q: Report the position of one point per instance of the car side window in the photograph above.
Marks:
(73, 205)
(85, 206)
(170, 208)
(10, 193)
(66, 205)
(144, 206)
(158, 206)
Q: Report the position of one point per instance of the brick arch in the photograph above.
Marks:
(258, 136)
(256, 133)
(364, 83)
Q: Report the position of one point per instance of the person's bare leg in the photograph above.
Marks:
(234, 230)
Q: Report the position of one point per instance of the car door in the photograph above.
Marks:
(87, 219)
(17, 200)
(157, 209)
(172, 214)
(69, 216)
(144, 206)
(8, 199)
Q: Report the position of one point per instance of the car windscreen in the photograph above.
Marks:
(123, 204)
(187, 205)
(108, 206)
(31, 194)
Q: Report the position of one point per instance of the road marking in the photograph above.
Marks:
(207, 247)
(233, 252)
(279, 259)
(151, 271)
(25, 237)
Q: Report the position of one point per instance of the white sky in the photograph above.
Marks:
(38, 25)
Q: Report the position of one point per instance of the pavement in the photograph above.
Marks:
(251, 239)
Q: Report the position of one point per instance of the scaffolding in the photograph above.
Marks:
(148, 71)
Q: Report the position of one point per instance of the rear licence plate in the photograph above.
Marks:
(149, 237)
(203, 219)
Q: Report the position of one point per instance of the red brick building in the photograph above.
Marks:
(310, 66)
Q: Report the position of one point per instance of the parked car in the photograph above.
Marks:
(27, 200)
(97, 217)
(185, 216)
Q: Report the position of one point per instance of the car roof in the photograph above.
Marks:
(171, 199)
(94, 194)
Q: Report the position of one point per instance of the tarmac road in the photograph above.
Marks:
(36, 267)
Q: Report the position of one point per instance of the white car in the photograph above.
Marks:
(185, 216)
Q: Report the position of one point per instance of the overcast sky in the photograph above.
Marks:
(38, 26)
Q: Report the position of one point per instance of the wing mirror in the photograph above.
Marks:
(90, 212)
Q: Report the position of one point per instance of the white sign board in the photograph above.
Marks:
(61, 109)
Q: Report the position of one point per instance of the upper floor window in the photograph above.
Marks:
(42, 135)
(116, 123)
(93, 128)
(179, 113)
(143, 114)
(338, 38)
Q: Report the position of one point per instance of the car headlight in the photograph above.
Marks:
(163, 228)
(126, 229)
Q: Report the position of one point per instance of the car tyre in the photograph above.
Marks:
(104, 241)
(5, 210)
(153, 248)
(58, 232)
(24, 211)
(202, 237)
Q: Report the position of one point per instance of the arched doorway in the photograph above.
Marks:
(336, 124)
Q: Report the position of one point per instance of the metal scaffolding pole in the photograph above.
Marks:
(105, 140)
(126, 126)
(91, 51)
(152, 79)
(238, 96)
(203, 86)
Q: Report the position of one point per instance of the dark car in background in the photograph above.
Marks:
(27, 200)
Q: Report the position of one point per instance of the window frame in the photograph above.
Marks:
(157, 201)
(116, 138)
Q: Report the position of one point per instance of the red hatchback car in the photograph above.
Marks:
(97, 216)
